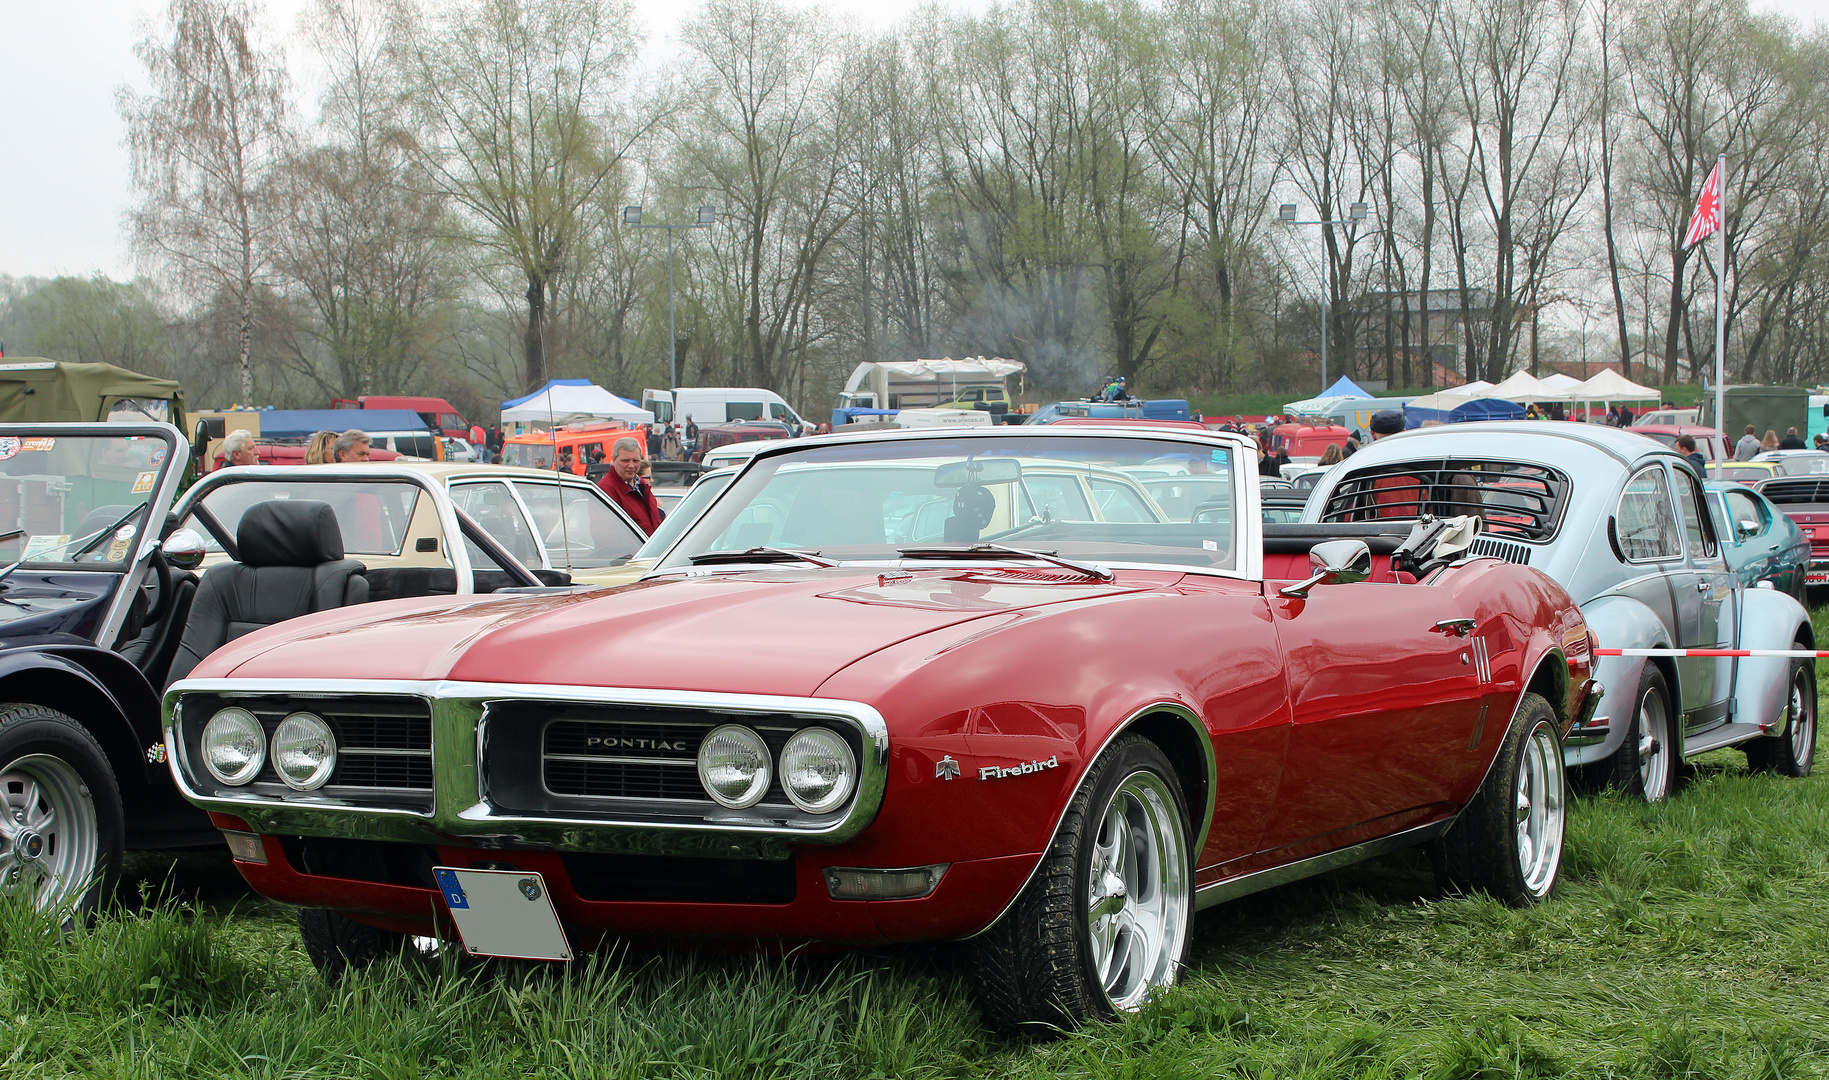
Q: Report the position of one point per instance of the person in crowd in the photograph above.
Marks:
(1612, 415)
(1792, 441)
(626, 488)
(350, 447)
(317, 449)
(565, 461)
(1353, 443)
(1820, 442)
(1747, 446)
(1333, 455)
(1266, 463)
(1687, 447)
(478, 437)
(1531, 413)
(1770, 442)
(238, 449)
(1386, 422)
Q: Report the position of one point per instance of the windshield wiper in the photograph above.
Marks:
(1004, 551)
(92, 539)
(759, 554)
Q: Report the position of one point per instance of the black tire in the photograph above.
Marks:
(1792, 751)
(1507, 842)
(1039, 968)
(339, 945)
(54, 775)
(1651, 768)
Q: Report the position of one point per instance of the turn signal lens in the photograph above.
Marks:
(863, 883)
(234, 746)
(304, 751)
(818, 769)
(734, 766)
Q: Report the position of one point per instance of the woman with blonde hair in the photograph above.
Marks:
(1770, 442)
(1333, 455)
(317, 451)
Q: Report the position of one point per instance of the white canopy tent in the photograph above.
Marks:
(1611, 386)
(1557, 381)
(1445, 400)
(560, 402)
(1476, 388)
(1524, 387)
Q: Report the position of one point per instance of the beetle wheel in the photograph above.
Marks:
(1793, 751)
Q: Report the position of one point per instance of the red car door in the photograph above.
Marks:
(1385, 707)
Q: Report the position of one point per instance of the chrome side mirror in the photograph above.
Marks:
(184, 549)
(1333, 562)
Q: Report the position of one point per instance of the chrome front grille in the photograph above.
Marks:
(384, 744)
(1500, 549)
(622, 759)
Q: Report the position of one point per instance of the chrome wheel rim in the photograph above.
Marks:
(1653, 745)
(1803, 718)
(1137, 891)
(1541, 809)
(50, 839)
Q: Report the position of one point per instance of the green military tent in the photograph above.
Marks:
(36, 390)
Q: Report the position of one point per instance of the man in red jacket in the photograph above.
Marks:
(625, 487)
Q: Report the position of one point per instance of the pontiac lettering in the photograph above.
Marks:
(999, 772)
(611, 743)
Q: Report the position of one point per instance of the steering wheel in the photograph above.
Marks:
(160, 586)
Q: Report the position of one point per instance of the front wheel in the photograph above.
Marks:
(1106, 918)
(1508, 841)
(338, 945)
(61, 826)
(1793, 751)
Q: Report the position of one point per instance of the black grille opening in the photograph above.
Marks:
(1800, 492)
(1512, 498)
(377, 861)
(1499, 549)
(382, 743)
(671, 879)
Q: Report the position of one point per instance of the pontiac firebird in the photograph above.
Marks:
(909, 686)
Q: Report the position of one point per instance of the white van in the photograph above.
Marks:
(707, 405)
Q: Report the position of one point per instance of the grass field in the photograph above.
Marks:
(1687, 940)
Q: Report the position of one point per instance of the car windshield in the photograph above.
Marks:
(1803, 464)
(374, 515)
(690, 507)
(77, 498)
(1071, 496)
(588, 535)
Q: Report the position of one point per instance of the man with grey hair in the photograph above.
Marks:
(626, 488)
(350, 446)
(238, 448)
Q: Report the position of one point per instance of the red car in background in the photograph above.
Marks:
(908, 686)
(1709, 442)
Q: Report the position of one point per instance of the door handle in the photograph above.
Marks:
(1703, 586)
(1457, 627)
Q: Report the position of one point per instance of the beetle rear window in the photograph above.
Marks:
(1515, 499)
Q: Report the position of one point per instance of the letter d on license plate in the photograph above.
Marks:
(503, 913)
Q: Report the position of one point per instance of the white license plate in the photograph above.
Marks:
(503, 913)
(1816, 579)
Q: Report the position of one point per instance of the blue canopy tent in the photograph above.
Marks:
(303, 423)
(1344, 387)
(1419, 411)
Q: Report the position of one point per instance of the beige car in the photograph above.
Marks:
(400, 514)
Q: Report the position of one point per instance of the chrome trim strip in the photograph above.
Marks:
(461, 811)
(381, 751)
(594, 759)
(1206, 823)
(1219, 892)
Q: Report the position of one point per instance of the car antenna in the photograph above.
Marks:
(565, 532)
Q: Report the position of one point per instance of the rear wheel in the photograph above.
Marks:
(1649, 763)
(1793, 751)
(1508, 841)
(1105, 920)
(61, 826)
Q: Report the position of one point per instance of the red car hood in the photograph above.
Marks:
(778, 632)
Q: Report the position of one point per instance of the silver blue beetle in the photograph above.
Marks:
(1619, 521)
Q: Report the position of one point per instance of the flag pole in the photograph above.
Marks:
(1720, 308)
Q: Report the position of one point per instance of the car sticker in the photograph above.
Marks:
(37, 445)
(157, 457)
(143, 483)
(8, 447)
(43, 544)
(118, 550)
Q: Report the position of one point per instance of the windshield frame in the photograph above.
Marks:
(1248, 563)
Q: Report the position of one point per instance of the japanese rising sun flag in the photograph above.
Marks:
(1707, 218)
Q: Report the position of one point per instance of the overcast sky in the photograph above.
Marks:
(64, 179)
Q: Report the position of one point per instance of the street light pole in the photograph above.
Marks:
(631, 216)
(1286, 215)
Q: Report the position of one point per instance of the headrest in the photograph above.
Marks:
(289, 532)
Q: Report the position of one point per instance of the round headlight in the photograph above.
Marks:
(734, 766)
(304, 751)
(818, 769)
(234, 746)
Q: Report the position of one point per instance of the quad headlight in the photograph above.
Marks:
(734, 766)
(234, 746)
(818, 770)
(304, 751)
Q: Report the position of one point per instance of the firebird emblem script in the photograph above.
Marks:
(996, 772)
(946, 768)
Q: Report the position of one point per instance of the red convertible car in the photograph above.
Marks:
(906, 686)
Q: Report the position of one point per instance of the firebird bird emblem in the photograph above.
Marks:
(946, 768)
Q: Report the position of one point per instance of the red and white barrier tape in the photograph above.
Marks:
(1805, 653)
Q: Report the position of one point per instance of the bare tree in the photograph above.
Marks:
(207, 148)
